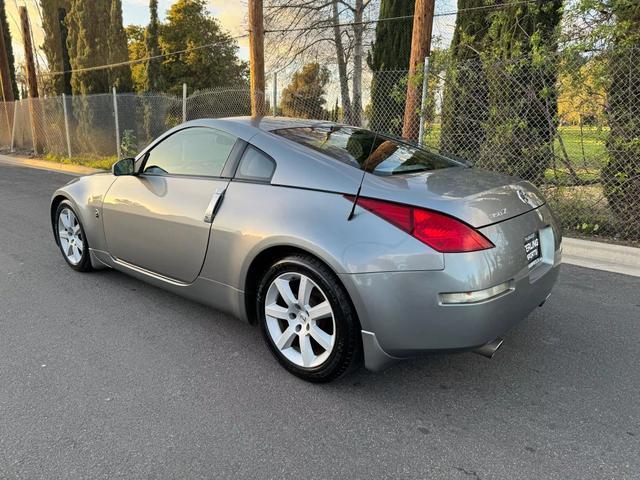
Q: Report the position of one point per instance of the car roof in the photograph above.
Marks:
(247, 127)
(268, 124)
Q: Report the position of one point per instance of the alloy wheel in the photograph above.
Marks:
(70, 236)
(302, 324)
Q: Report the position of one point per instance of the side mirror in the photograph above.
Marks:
(126, 166)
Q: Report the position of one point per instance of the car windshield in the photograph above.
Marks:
(367, 150)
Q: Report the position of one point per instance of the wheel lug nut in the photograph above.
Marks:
(298, 328)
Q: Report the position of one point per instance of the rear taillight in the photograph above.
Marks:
(441, 232)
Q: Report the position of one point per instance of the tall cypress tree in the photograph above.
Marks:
(54, 14)
(87, 42)
(390, 52)
(97, 37)
(7, 42)
(153, 76)
(88, 47)
(465, 108)
(154, 81)
(119, 77)
(521, 70)
(621, 175)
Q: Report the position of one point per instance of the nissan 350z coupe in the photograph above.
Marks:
(338, 242)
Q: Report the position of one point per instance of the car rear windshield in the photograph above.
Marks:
(367, 150)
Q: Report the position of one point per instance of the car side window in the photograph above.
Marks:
(255, 165)
(192, 151)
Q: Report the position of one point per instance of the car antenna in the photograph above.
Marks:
(355, 199)
(364, 172)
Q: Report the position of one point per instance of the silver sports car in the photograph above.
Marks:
(339, 242)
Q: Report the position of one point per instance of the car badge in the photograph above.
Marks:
(522, 196)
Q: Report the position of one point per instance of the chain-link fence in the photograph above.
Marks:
(85, 126)
(570, 124)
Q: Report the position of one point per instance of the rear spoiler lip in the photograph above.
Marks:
(512, 217)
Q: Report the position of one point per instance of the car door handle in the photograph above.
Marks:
(212, 208)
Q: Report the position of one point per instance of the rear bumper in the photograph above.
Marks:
(409, 319)
(402, 313)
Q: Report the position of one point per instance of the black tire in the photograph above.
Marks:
(348, 344)
(84, 265)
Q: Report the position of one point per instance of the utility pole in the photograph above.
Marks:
(32, 81)
(420, 50)
(256, 58)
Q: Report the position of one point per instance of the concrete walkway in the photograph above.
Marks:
(584, 253)
(601, 256)
(46, 165)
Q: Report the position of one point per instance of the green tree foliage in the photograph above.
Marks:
(152, 74)
(97, 37)
(93, 42)
(521, 71)
(189, 25)
(438, 59)
(7, 42)
(119, 77)
(87, 42)
(137, 51)
(621, 175)
(154, 81)
(464, 109)
(54, 14)
(304, 97)
(390, 52)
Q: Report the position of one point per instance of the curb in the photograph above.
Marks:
(601, 256)
(70, 169)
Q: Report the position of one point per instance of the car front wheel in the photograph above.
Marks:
(71, 238)
(307, 319)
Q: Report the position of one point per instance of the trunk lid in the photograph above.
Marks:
(477, 197)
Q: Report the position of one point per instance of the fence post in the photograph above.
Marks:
(32, 121)
(275, 94)
(6, 113)
(66, 124)
(423, 102)
(184, 102)
(115, 110)
(13, 128)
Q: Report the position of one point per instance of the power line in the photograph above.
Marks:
(404, 17)
(36, 48)
(200, 47)
(138, 60)
(486, 7)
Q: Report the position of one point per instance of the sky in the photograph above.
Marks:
(230, 13)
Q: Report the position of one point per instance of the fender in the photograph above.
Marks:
(86, 195)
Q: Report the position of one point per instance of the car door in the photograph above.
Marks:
(160, 218)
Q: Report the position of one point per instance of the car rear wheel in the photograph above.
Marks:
(71, 238)
(307, 319)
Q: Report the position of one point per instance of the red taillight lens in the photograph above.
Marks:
(399, 215)
(446, 234)
(441, 232)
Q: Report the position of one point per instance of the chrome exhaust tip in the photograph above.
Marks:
(489, 349)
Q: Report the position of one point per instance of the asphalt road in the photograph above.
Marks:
(102, 376)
